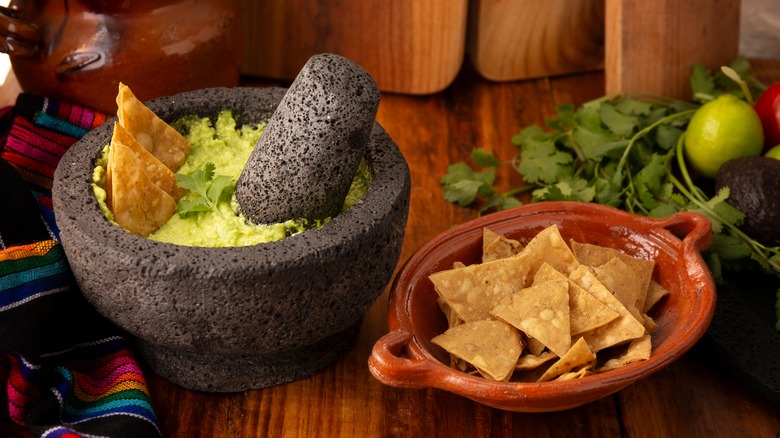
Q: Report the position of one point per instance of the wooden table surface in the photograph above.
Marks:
(693, 397)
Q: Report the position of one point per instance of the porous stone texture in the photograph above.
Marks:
(193, 309)
(237, 372)
(304, 163)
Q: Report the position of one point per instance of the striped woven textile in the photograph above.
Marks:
(41, 131)
(65, 371)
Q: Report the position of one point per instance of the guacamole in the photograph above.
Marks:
(228, 148)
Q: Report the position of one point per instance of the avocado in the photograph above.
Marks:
(755, 190)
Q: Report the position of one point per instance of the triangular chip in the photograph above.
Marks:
(583, 371)
(585, 311)
(462, 365)
(452, 318)
(638, 349)
(622, 329)
(579, 354)
(594, 255)
(534, 346)
(654, 294)
(625, 285)
(473, 290)
(496, 246)
(492, 347)
(531, 361)
(650, 325)
(542, 312)
(139, 206)
(549, 247)
(153, 133)
(620, 279)
(109, 182)
(157, 172)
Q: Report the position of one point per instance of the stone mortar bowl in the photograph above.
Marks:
(232, 319)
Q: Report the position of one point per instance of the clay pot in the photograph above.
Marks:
(230, 319)
(79, 50)
(406, 357)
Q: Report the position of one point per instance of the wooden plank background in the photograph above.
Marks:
(408, 46)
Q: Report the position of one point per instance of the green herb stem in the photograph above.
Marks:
(646, 130)
(518, 191)
(695, 192)
(575, 147)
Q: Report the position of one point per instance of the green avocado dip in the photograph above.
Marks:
(228, 148)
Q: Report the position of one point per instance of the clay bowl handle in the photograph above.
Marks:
(694, 229)
(395, 365)
(17, 37)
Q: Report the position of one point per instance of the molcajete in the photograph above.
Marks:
(231, 319)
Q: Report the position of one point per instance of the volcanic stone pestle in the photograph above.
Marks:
(304, 163)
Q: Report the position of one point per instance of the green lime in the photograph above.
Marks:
(773, 153)
(723, 128)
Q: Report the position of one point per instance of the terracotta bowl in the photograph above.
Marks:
(405, 357)
(231, 319)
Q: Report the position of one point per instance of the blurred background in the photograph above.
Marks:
(760, 29)
(759, 37)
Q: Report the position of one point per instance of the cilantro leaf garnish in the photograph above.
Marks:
(205, 190)
(566, 189)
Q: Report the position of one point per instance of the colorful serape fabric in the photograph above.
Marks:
(40, 132)
(65, 371)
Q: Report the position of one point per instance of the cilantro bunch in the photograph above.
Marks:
(622, 151)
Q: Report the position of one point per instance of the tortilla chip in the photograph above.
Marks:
(619, 278)
(585, 311)
(496, 246)
(636, 350)
(109, 182)
(621, 329)
(461, 365)
(492, 347)
(472, 291)
(139, 206)
(579, 354)
(585, 370)
(547, 272)
(650, 325)
(535, 347)
(549, 247)
(532, 361)
(452, 318)
(588, 313)
(542, 312)
(156, 136)
(157, 172)
(654, 294)
(594, 255)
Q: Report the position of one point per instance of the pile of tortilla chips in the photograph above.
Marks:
(546, 311)
(144, 154)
